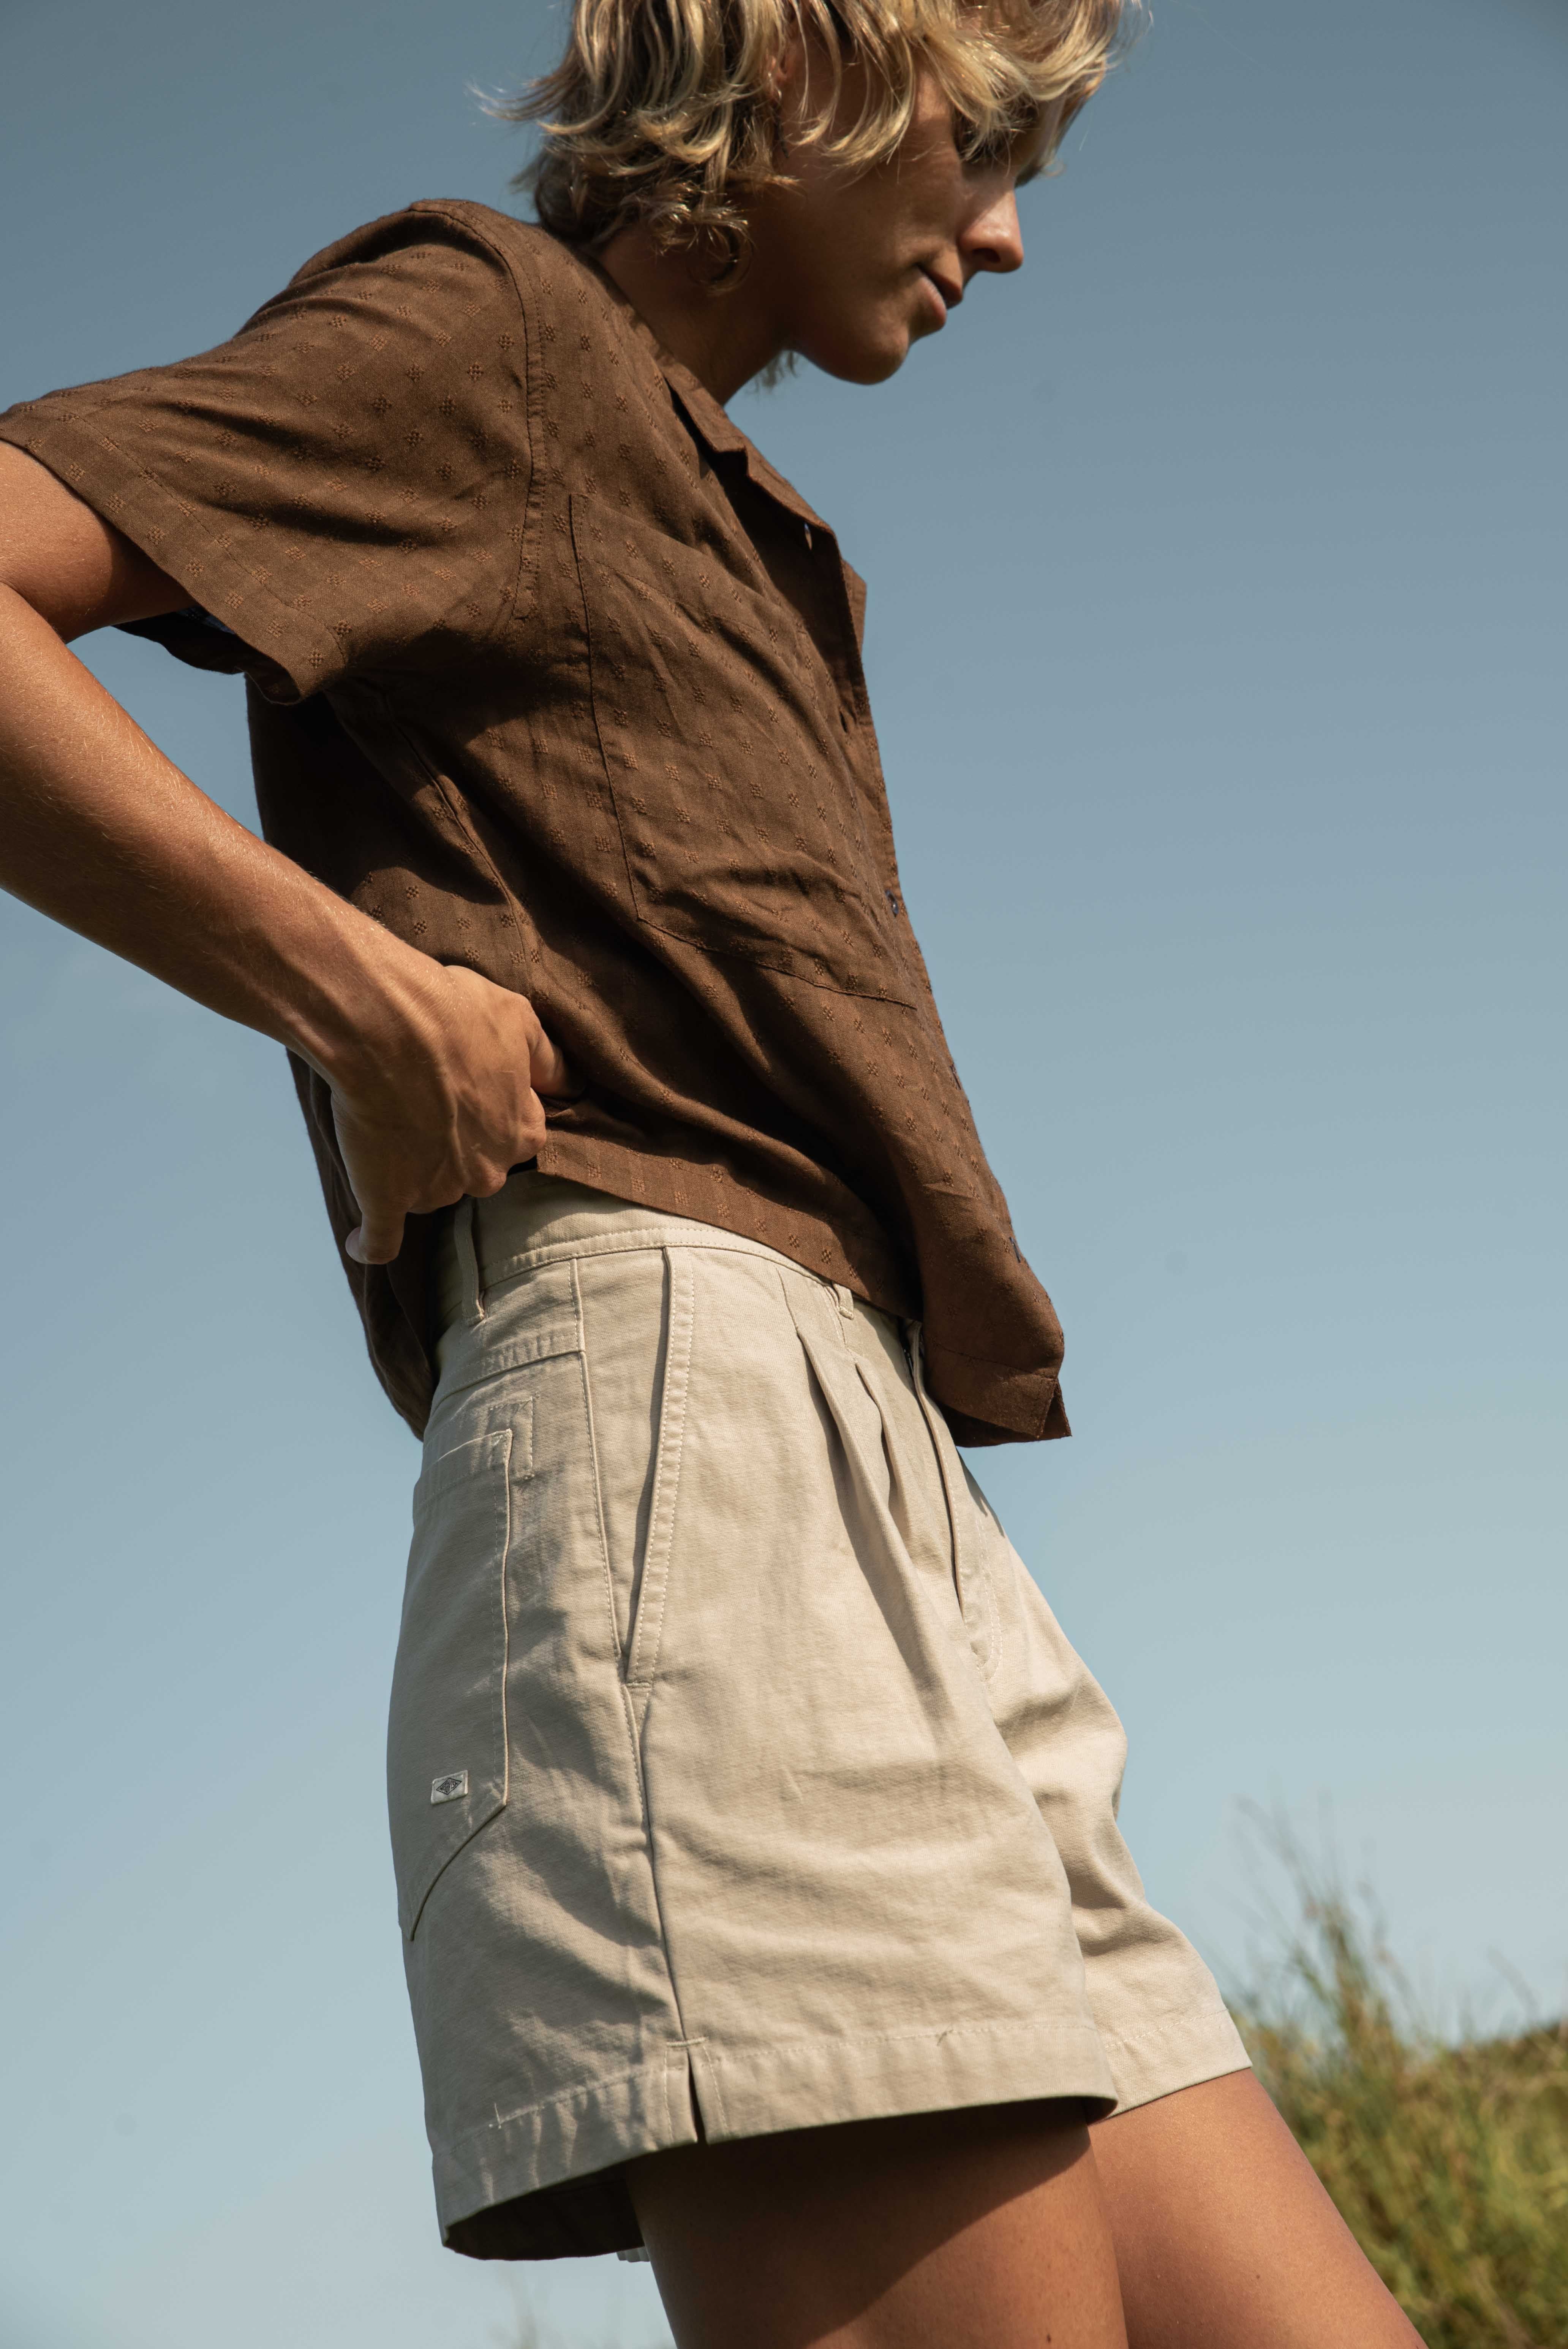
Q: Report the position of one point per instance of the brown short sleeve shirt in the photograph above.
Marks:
(551, 673)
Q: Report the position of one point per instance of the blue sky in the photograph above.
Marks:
(1217, 600)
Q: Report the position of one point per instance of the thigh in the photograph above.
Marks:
(937, 2231)
(1225, 2239)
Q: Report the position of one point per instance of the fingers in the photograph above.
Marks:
(549, 1074)
(395, 1172)
(449, 1111)
(375, 1239)
(383, 1201)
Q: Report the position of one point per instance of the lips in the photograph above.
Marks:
(951, 291)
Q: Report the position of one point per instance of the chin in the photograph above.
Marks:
(862, 357)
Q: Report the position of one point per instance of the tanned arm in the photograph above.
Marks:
(435, 1073)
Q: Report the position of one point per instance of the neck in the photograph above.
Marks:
(725, 338)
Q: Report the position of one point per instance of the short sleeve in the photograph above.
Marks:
(343, 486)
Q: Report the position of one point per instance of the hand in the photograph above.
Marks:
(445, 1107)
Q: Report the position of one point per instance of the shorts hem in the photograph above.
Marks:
(592, 2131)
(873, 2075)
(577, 2134)
(1179, 2052)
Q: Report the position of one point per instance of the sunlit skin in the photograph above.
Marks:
(848, 269)
(1194, 2222)
(436, 1075)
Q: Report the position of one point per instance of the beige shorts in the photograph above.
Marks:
(740, 1778)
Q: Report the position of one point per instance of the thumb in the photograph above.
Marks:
(376, 1238)
(550, 1071)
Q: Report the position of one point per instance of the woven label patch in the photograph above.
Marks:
(449, 1787)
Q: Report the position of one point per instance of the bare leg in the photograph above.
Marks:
(1225, 2238)
(990, 2227)
(974, 2230)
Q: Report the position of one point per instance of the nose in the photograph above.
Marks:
(994, 239)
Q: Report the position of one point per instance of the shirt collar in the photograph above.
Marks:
(712, 424)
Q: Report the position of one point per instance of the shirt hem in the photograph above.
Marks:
(711, 1195)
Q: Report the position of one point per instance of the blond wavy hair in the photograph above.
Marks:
(661, 111)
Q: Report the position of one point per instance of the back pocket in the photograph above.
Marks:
(447, 1737)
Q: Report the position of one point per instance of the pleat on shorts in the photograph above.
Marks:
(740, 1778)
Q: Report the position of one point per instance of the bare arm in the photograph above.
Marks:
(433, 1071)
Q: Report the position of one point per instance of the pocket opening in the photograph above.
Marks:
(650, 1586)
(447, 1751)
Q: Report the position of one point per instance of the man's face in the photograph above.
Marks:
(859, 266)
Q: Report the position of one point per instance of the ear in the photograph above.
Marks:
(805, 71)
(788, 73)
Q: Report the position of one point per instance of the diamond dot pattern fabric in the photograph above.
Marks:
(552, 674)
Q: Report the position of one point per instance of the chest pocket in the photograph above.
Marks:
(739, 816)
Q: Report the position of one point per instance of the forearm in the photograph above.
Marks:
(100, 830)
(436, 1073)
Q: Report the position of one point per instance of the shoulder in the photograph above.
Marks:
(445, 254)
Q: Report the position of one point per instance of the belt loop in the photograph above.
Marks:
(465, 1235)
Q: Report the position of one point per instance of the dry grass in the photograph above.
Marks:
(1448, 2157)
(1449, 2161)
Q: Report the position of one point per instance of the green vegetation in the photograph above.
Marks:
(1448, 2156)
(1449, 2161)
